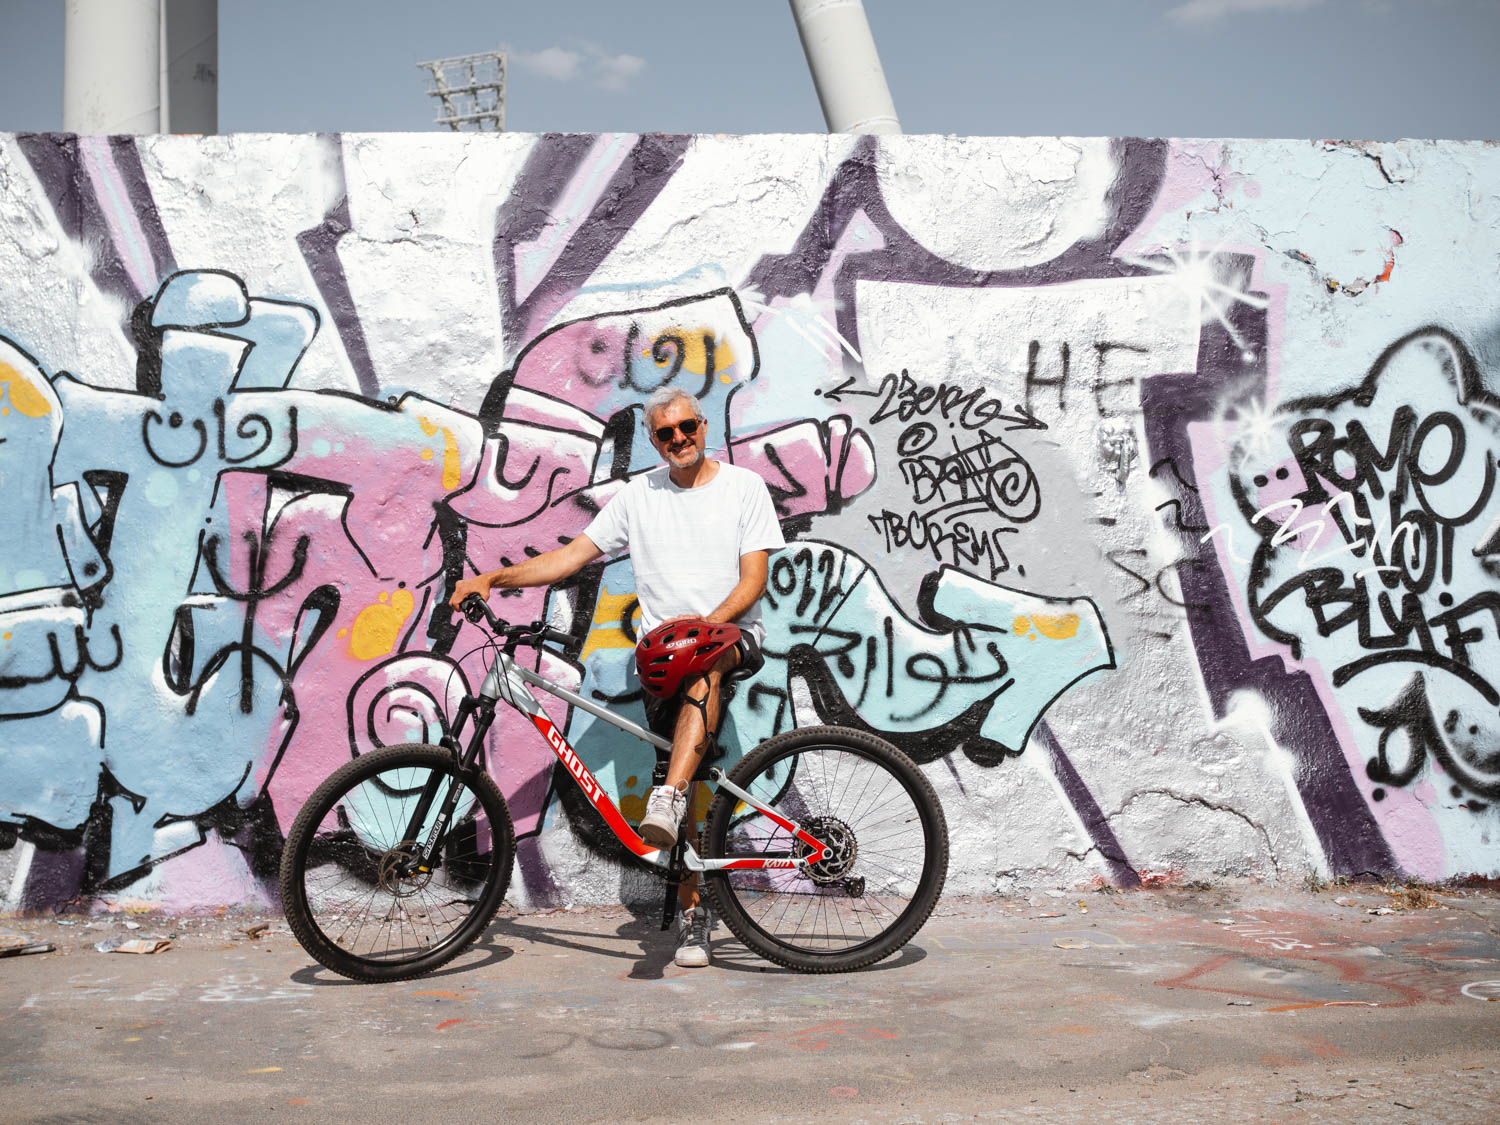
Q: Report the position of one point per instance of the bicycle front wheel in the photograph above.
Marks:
(873, 806)
(352, 887)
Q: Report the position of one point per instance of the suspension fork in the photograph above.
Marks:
(482, 714)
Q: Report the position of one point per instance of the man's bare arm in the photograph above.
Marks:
(543, 570)
(747, 590)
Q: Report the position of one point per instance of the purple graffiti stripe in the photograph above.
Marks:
(622, 199)
(1347, 830)
(1094, 821)
(143, 214)
(120, 227)
(320, 250)
(855, 188)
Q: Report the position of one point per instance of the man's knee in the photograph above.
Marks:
(710, 681)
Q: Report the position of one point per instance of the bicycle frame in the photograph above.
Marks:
(509, 682)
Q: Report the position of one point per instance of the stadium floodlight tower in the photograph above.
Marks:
(470, 90)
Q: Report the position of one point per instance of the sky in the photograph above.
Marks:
(1324, 69)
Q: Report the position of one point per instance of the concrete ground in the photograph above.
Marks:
(1225, 1004)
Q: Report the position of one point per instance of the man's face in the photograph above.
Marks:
(678, 450)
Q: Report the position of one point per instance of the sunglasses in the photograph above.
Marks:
(688, 428)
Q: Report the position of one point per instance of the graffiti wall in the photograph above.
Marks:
(1144, 491)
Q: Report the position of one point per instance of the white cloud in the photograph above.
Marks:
(590, 62)
(550, 62)
(1202, 12)
(617, 71)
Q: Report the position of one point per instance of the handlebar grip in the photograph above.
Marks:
(473, 608)
(558, 637)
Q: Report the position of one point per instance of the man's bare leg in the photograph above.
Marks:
(689, 741)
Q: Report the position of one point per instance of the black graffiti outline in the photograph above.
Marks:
(1410, 712)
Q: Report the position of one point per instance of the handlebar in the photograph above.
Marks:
(477, 610)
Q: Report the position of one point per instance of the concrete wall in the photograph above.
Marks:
(1143, 490)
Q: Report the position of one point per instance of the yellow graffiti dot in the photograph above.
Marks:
(1020, 625)
(23, 396)
(427, 455)
(630, 781)
(4, 636)
(725, 378)
(4, 410)
(378, 626)
(1058, 628)
(385, 596)
(343, 632)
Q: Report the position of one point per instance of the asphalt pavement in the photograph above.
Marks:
(1223, 1004)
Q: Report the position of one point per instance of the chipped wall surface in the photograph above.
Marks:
(1144, 491)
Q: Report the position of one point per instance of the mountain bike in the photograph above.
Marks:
(824, 848)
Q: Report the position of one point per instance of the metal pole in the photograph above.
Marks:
(845, 66)
(111, 66)
(190, 66)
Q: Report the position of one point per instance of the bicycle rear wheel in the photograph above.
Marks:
(351, 892)
(857, 793)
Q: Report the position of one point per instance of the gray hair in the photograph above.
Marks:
(663, 397)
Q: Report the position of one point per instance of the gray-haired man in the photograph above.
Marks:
(699, 533)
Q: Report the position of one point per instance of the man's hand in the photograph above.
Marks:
(479, 584)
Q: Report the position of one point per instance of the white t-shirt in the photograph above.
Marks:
(685, 543)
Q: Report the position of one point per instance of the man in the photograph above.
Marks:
(699, 533)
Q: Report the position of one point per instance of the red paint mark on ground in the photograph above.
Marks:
(1348, 972)
(1279, 1060)
(438, 992)
(1321, 1047)
(447, 1024)
(816, 1038)
(1326, 1004)
(844, 1092)
(297, 1101)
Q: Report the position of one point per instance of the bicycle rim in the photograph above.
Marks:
(353, 893)
(864, 798)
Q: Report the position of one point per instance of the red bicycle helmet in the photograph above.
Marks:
(677, 650)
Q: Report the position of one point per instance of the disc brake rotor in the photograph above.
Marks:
(843, 849)
(398, 876)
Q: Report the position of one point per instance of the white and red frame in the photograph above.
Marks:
(510, 682)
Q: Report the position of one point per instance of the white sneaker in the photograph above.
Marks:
(692, 937)
(665, 808)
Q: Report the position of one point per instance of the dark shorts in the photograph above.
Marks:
(661, 714)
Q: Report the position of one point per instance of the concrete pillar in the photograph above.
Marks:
(111, 66)
(845, 66)
(190, 66)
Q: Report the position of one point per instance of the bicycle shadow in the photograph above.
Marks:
(488, 954)
(654, 947)
(640, 940)
(657, 946)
